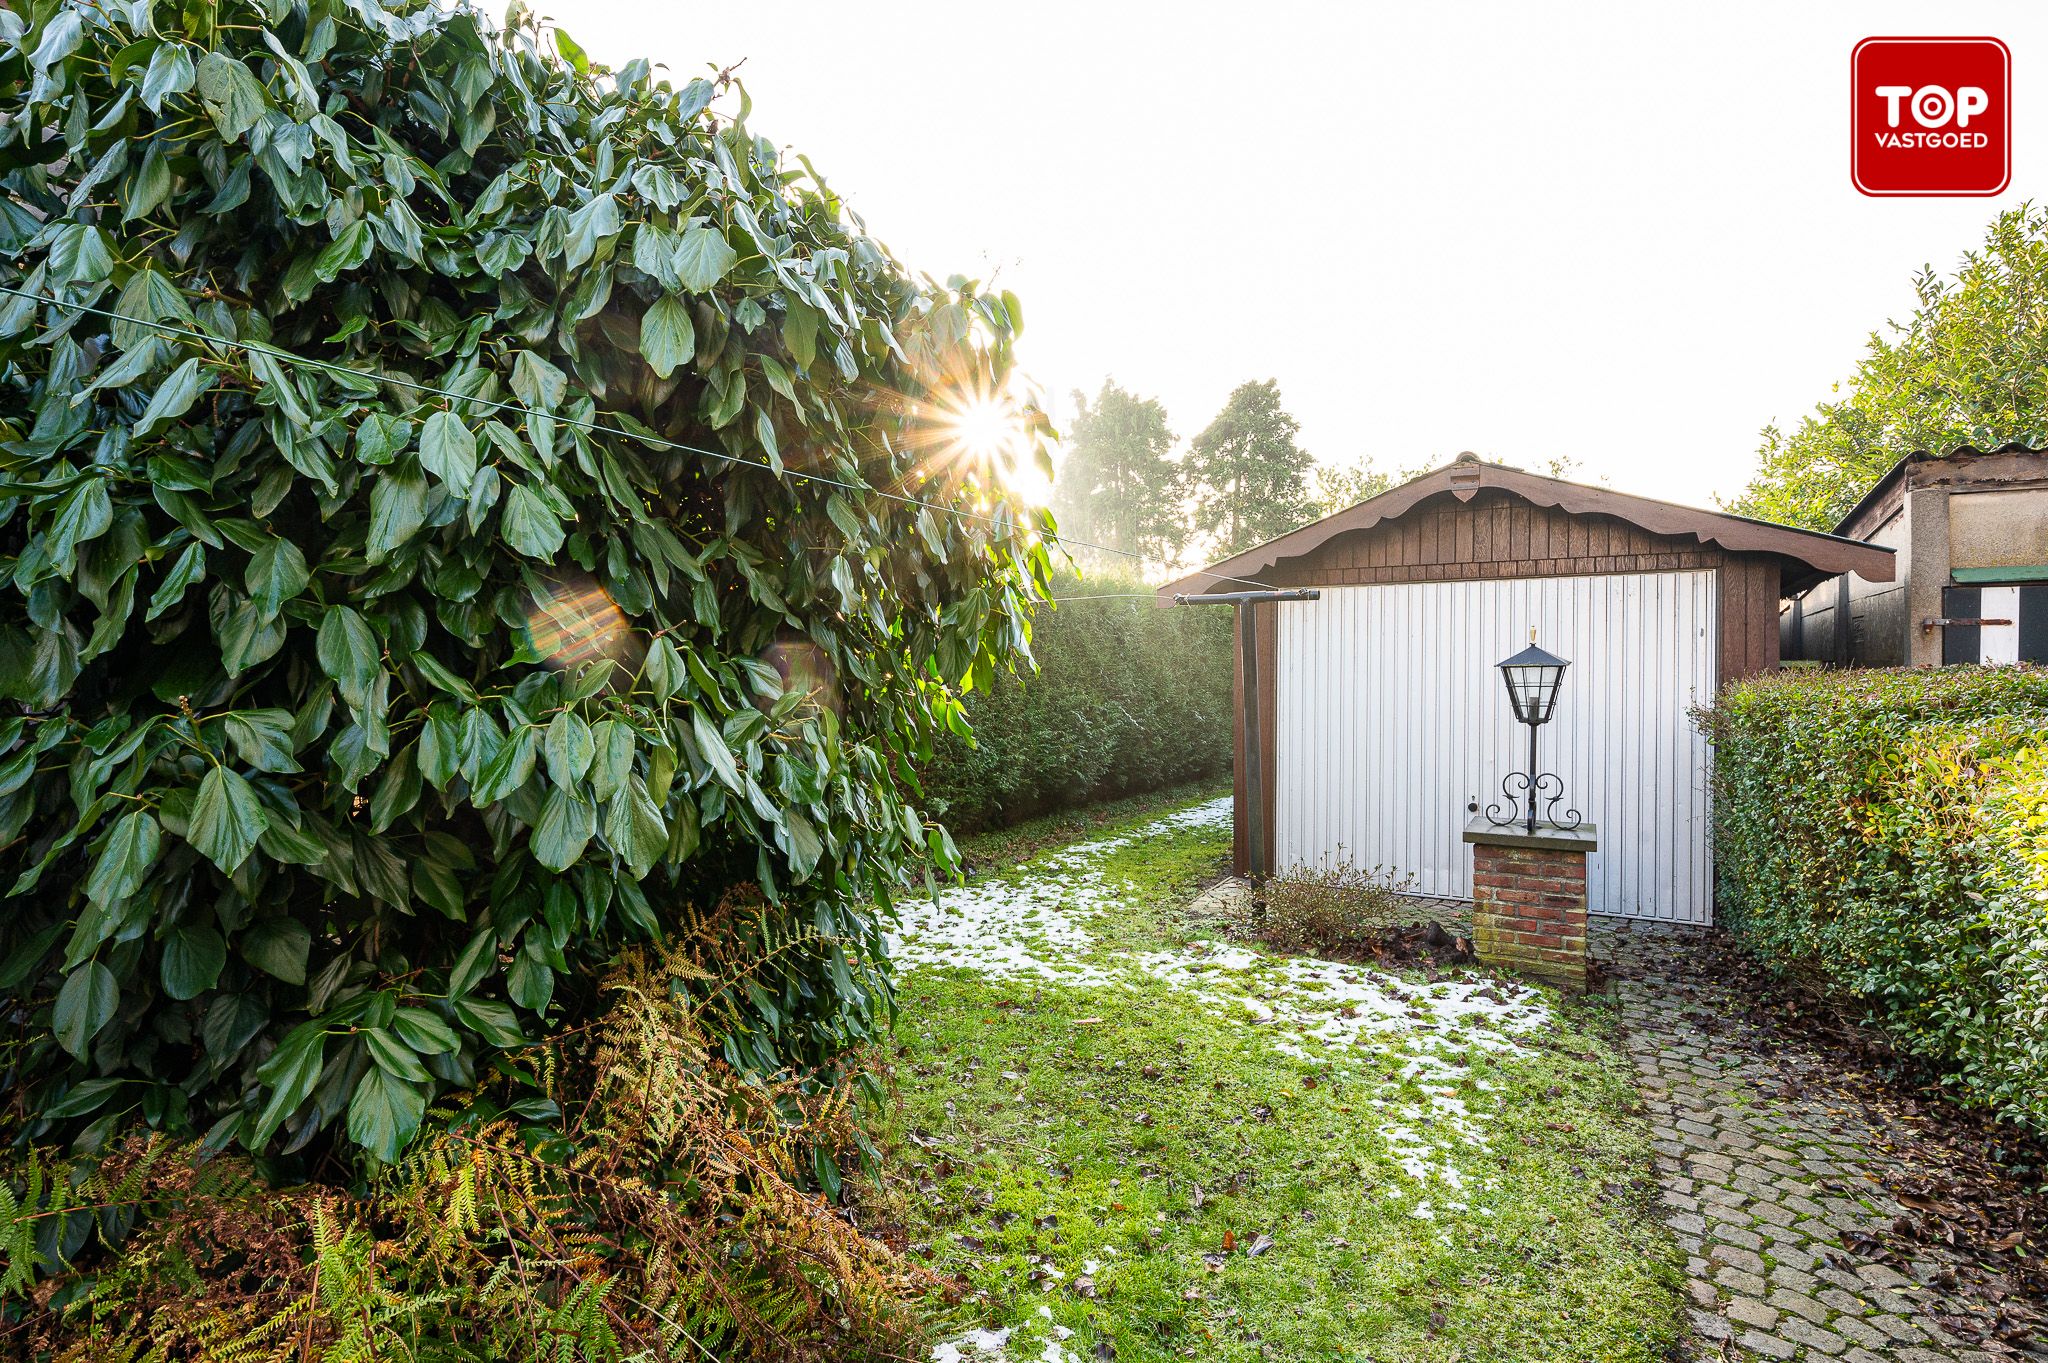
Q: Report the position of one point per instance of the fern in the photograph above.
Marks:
(664, 1216)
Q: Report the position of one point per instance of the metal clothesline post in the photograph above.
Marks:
(1254, 777)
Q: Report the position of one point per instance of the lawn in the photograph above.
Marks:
(1129, 1139)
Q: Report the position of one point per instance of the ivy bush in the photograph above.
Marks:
(1126, 698)
(1886, 832)
(410, 596)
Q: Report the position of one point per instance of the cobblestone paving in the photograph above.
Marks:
(1761, 1186)
(1763, 1175)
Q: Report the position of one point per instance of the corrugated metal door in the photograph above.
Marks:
(1392, 720)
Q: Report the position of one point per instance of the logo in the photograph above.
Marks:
(1930, 116)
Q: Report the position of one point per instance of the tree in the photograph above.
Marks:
(450, 536)
(1250, 479)
(1338, 487)
(1117, 487)
(1969, 367)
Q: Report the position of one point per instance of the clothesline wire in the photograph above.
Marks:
(595, 427)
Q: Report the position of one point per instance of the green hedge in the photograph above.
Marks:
(1886, 833)
(1127, 698)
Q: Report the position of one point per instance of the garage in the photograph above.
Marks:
(1381, 722)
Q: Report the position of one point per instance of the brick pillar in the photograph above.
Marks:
(1529, 899)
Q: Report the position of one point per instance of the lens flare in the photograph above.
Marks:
(983, 432)
(985, 428)
(807, 673)
(574, 621)
(1029, 482)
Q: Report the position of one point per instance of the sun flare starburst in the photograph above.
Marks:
(984, 431)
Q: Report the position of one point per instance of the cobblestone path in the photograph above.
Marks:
(1763, 1175)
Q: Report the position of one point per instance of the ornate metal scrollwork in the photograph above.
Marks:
(1545, 788)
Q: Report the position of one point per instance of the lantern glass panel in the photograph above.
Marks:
(1533, 677)
(1531, 689)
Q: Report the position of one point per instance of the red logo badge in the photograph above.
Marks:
(1930, 116)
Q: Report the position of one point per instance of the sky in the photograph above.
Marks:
(1623, 234)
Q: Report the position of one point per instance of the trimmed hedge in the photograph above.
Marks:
(1887, 833)
(1127, 698)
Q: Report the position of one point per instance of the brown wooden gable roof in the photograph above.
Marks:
(1808, 555)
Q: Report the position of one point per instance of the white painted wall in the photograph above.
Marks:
(1391, 718)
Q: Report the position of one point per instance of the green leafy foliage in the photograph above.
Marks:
(1887, 833)
(1248, 476)
(406, 606)
(1340, 487)
(1118, 486)
(1126, 697)
(1969, 367)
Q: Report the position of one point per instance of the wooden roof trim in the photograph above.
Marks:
(1823, 554)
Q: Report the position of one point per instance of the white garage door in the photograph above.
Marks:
(1392, 720)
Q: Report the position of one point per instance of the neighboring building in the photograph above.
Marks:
(1384, 725)
(1971, 531)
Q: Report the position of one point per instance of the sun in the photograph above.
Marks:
(984, 429)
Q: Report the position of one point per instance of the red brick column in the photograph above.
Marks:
(1529, 899)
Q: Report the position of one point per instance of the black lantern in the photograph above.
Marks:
(1533, 678)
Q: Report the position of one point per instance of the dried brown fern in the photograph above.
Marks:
(664, 1216)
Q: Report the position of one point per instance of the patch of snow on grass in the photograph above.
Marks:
(1038, 922)
(975, 1344)
(992, 1346)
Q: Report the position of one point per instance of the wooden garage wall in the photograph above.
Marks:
(1498, 534)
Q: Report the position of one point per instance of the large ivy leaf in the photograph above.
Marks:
(565, 829)
(276, 573)
(591, 227)
(85, 1004)
(398, 507)
(125, 858)
(529, 526)
(290, 1073)
(193, 957)
(264, 739)
(703, 257)
(349, 653)
(232, 95)
(226, 820)
(83, 514)
(634, 827)
(278, 947)
(448, 451)
(569, 749)
(667, 336)
(188, 568)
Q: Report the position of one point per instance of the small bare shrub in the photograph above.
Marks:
(1331, 907)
